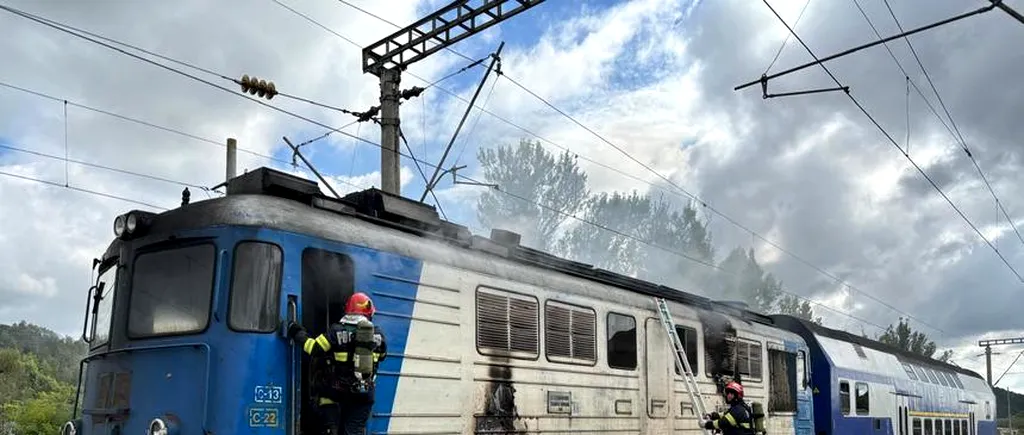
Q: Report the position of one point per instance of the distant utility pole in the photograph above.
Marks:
(987, 344)
(388, 57)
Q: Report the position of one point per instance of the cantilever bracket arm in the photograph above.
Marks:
(458, 20)
(766, 95)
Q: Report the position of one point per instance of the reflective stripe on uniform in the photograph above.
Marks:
(326, 401)
(322, 341)
(308, 346)
(728, 417)
(376, 356)
(341, 356)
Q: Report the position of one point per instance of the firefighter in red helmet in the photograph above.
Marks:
(738, 420)
(352, 350)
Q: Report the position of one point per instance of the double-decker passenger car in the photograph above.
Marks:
(862, 386)
(484, 335)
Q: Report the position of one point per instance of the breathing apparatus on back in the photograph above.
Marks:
(358, 312)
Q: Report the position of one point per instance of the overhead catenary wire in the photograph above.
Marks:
(963, 142)
(67, 160)
(139, 121)
(681, 192)
(80, 189)
(896, 145)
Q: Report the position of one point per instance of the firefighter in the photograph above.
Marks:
(738, 419)
(351, 351)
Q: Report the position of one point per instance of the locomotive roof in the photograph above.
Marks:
(903, 355)
(399, 213)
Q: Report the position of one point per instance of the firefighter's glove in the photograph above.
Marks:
(293, 330)
(714, 416)
(709, 425)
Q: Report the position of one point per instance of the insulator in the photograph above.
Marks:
(245, 83)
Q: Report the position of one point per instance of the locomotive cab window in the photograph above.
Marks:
(171, 291)
(255, 288)
(102, 301)
(688, 336)
(507, 324)
(621, 341)
(570, 333)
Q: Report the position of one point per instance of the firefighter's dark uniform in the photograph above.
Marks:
(736, 421)
(344, 401)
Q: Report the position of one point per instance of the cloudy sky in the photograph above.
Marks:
(654, 77)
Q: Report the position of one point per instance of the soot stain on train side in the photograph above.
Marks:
(500, 414)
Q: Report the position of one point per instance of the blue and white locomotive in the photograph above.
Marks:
(484, 335)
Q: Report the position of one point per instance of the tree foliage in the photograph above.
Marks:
(38, 372)
(906, 338)
(528, 171)
(628, 223)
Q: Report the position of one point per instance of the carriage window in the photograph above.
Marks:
(948, 428)
(963, 427)
(928, 427)
(171, 291)
(844, 397)
(910, 371)
(688, 336)
(917, 426)
(782, 376)
(801, 370)
(748, 359)
(862, 399)
(942, 378)
(101, 321)
(954, 380)
(932, 376)
(255, 288)
(921, 374)
(570, 333)
(621, 341)
(507, 324)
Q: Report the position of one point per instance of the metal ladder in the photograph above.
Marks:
(680, 356)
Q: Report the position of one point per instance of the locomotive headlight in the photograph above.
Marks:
(69, 428)
(119, 224)
(131, 222)
(157, 427)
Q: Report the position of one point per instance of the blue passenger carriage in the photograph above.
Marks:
(484, 335)
(862, 386)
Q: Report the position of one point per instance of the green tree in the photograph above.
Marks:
(793, 306)
(43, 414)
(532, 173)
(627, 214)
(906, 338)
(681, 230)
(741, 278)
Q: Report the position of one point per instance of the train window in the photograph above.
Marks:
(748, 359)
(621, 341)
(863, 396)
(942, 378)
(963, 427)
(171, 291)
(106, 284)
(844, 397)
(954, 380)
(921, 374)
(781, 371)
(255, 288)
(948, 427)
(801, 370)
(507, 324)
(570, 333)
(932, 376)
(928, 427)
(917, 426)
(910, 371)
(688, 336)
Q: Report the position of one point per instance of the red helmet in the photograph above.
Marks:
(735, 387)
(360, 303)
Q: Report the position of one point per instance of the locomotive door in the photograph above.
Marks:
(659, 383)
